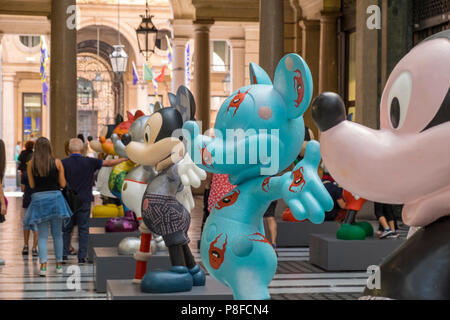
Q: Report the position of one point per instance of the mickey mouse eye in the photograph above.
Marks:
(398, 99)
(236, 100)
(147, 134)
(395, 113)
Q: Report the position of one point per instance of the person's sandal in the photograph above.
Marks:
(25, 250)
(35, 252)
(72, 252)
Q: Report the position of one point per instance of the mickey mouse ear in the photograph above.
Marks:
(185, 103)
(258, 75)
(172, 99)
(157, 106)
(293, 81)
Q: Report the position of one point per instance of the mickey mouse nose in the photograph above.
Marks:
(126, 139)
(328, 110)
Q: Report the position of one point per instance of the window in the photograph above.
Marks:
(30, 41)
(221, 56)
(161, 40)
(32, 116)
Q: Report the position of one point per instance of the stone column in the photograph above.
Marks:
(202, 77)
(271, 34)
(63, 79)
(311, 54)
(237, 63)
(179, 63)
(367, 68)
(8, 121)
(328, 63)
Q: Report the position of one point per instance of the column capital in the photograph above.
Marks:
(329, 16)
(306, 24)
(202, 25)
(180, 41)
(237, 43)
(8, 76)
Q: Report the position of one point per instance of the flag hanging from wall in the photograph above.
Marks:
(135, 75)
(160, 77)
(45, 58)
(148, 76)
(187, 55)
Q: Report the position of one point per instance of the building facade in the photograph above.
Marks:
(351, 46)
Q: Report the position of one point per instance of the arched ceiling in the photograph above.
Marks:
(86, 42)
(227, 10)
(218, 10)
(182, 9)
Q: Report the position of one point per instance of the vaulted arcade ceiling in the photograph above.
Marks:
(219, 10)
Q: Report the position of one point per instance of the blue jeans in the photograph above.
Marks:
(56, 229)
(81, 216)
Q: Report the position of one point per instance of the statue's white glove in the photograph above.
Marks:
(186, 199)
(189, 173)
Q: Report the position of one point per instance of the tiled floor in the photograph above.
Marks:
(296, 278)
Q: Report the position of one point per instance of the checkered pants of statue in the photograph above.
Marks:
(164, 215)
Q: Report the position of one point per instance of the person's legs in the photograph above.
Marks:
(383, 216)
(272, 226)
(379, 213)
(56, 227)
(83, 214)
(71, 248)
(392, 224)
(35, 239)
(42, 242)
(26, 239)
(67, 234)
(383, 222)
(390, 217)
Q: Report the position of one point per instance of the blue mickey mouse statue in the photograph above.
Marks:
(252, 121)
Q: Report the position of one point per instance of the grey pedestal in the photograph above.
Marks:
(125, 290)
(333, 254)
(99, 238)
(296, 234)
(109, 265)
(98, 222)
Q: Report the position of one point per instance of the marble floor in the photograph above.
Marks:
(296, 278)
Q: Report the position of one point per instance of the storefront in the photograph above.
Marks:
(347, 55)
(32, 116)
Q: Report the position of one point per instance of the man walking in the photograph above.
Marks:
(79, 172)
